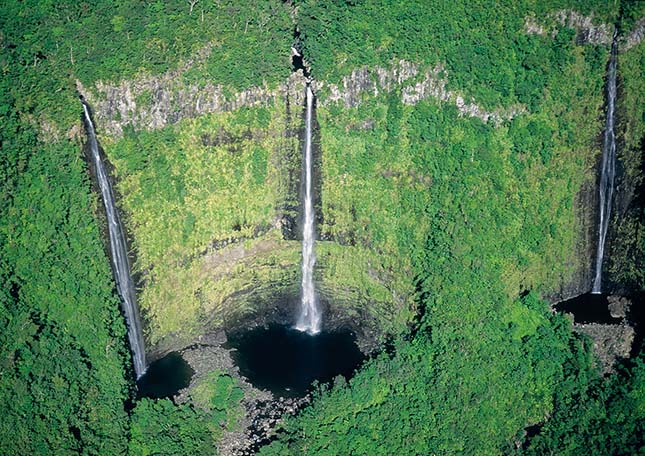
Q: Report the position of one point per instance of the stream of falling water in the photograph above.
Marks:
(310, 316)
(119, 254)
(608, 169)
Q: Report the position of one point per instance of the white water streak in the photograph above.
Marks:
(608, 169)
(310, 317)
(119, 255)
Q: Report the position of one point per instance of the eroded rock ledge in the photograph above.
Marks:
(588, 32)
(635, 37)
(432, 84)
(154, 102)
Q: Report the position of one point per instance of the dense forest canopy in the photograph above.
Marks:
(446, 225)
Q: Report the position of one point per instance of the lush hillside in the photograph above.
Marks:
(66, 379)
(454, 141)
(485, 212)
(628, 248)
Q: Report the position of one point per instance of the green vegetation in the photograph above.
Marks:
(64, 363)
(430, 219)
(161, 427)
(224, 177)
(483, 213)
(51, 44)
(219, 394)
(62, 346)
(596, 417)
(412, 403)
(627, 254)
(203, 181)
(483, 48)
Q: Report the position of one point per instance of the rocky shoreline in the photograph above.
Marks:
(263, 411)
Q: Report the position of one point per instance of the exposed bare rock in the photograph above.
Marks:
(74, 133)
(532, 27)
(262, 411)
(610, 342)
(618, 306)
(635, 36)
(372, 81)
(369, 81)
(435, 86)
(588, 32)
(50, 132)
(153, 102)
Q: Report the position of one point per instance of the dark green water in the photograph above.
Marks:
(286, 361)
(165, 377)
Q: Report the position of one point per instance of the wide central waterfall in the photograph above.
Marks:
(119, 255)
(309, 318)
(608, 167)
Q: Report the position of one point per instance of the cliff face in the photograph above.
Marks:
(626, 254)
(216, 236)
(221, 174)
(580, 260)
(154, 102)
(587, 31)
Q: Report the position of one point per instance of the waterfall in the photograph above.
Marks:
(608, 167)
(119, 255)
(309, 318)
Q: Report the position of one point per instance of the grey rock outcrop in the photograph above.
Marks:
(618, 306)
(635, 37)
(153, 102)
(406, 76)
(610, 342)
(588, 32)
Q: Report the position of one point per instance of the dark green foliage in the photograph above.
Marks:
(481, 213)
(596, 417)
(62, 342)
(226, 397)
(425, 400)
(477, 43)
(627, 244)
(47, 46)
(161, 427)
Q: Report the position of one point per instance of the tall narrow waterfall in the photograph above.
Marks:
(608, 169)
(118, 249)
(309, 319)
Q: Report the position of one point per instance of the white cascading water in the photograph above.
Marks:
(119, 257)
(310, 317)
(608, 169)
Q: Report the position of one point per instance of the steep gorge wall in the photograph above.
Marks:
(354, 269)
(205, 267)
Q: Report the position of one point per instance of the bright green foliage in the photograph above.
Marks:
(468, 214)
(422, 401)
(161, 427)
(215, 178)
(59, 42)
(230, 176)
(482, 212)
(219, 394)
(482, 48)
(63, 350)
